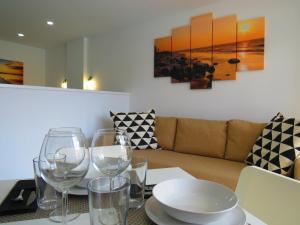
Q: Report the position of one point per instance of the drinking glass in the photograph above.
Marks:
(46, 195)
(137, 173)
(64, 173)
(111, 151)
(108, 200)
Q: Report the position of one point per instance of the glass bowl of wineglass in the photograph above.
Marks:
(64, 161)
(111, 151)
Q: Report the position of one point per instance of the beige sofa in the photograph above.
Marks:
(211, 150)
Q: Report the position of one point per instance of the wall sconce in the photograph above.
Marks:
(90, 84)
(64, 84)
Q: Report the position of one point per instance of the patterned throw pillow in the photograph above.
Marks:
(139, 126)
(278, 146)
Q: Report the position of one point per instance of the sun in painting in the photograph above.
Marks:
(250, 44)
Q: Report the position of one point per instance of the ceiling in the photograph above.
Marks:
(76, 18)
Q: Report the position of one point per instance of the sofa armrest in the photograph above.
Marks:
(297, 169)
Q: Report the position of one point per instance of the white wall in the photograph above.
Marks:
(123, 61)
(33, 59)
(55, 65)
(28, 112)
(67, 61)
(76, 62)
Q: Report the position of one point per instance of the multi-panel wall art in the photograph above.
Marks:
(163, 53)
(224, 48)
(181, 54)
(210, 49)
(201, 51)
(11, 72)
(250, 44)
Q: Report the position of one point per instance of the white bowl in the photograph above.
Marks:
(195, 201)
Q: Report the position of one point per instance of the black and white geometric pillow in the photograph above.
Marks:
(139, 126)
(278, 146)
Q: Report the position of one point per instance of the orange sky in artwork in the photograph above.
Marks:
(163, 44)
(8, 68)
(251, 29)
(224, 30)
(181, 38)
(201, 31)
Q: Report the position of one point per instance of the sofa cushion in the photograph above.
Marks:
(165, 130)
(140, 128)
(277, 147)
(218, 170)
(241, 136)
(201, 137)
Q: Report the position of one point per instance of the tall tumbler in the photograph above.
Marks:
(108, 200)
(137, 173)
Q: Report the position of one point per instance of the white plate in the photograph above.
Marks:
(78, 191)
(158, 215)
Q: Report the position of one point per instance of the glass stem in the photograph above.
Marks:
(110, 182)
(110, 189)
(64, 208)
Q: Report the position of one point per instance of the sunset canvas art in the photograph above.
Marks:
(11, 72)
(201, 51)
(210, 49)
(162, 56)
(224, 48)
(250, 44)
(181, 54)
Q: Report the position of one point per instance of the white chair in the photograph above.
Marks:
(273, 198)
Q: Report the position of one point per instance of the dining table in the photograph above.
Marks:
(79, 204)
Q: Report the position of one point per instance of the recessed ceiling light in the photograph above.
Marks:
(50, 23)
(21, 35)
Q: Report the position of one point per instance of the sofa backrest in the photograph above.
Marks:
(231, 139)
(241, 136)
(165, 130)
(201, 137)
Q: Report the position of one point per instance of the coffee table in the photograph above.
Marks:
(80, 204)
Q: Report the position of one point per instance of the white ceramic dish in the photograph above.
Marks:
(156, 213)
(195, 201)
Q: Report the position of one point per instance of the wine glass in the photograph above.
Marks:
(111, 151)
(64, 161)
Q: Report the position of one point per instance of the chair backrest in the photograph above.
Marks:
(273, 198)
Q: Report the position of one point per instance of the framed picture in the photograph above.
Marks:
(201, 51)
(210, 50)
(181, 54)
(251, 44)
(11, 72)
(162, 56)
(224, 48)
